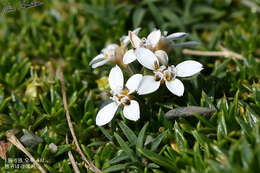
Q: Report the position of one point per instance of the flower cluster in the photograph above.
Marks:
(151, 53)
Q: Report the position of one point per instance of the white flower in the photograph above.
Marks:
(107, 55)
(170, 40)
(125, 40)
(174, 36)
(120, 97)
(164, 73)
(150, 42)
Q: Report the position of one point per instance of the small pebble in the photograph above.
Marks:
(188, 112)
(30, 140)
(53, 147)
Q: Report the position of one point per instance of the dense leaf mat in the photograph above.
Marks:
(36, 42)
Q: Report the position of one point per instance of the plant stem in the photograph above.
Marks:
(73, 162)
(83, 157)
(225, 53)
(12, 138)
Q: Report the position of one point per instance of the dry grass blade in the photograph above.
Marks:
(225, 53)
(12, 138)
(3, 149)
(83, 157)
(254, 7)
(73, 162)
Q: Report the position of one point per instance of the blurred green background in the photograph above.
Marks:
(35, 42)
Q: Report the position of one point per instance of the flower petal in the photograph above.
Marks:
(98, 58)
(133, 82)
(154, 37)
(148, 85)
(136, 31)
(116, 79)
(176, 36)
(100, 63)
(106, 114)
(129, 57)
(132, 111)
(175, 86)
(110, 47)
(126, 40)
(188, 68)
(135, 40)
(162, 57)
(146, 57)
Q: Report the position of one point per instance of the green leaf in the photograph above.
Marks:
(125, 147)
(128, 133)
(141, 135)
(252, 117)
(62, 149)
(4, 103)
(246, 153)
(158, 159)
(198, 158)
(156, 142)
(244, 126)
(105, 132)
(120, 157)
(180, 140)
(222, 127)
(156, 13)
(116, 168)
(138, 16)
(201, 139)
(204, 120)
(45, 104)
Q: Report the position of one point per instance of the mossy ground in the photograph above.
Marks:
(35, 42)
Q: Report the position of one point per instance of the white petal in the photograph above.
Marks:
(162, 57)
(100, 63)
(129, 57)
(106, 114)
(132, 111)
(110, 47)
(176, 36)
(154, 37)
(136, 31)
(176, 87)
(146, 57)
(135, 40)
(98, 58)
(126, 39)
(133, 82)
(148, 85)
(188, 68)
(116, 79)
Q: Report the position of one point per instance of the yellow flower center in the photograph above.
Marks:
(106, 55)
(156, 65)
(125, 92)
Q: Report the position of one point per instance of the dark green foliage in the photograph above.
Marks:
(36, 42)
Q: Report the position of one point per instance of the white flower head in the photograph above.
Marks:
(107, 55)
(174, 36)
(125, 40)
(164, 73)
(121, 97)
(150, 43)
